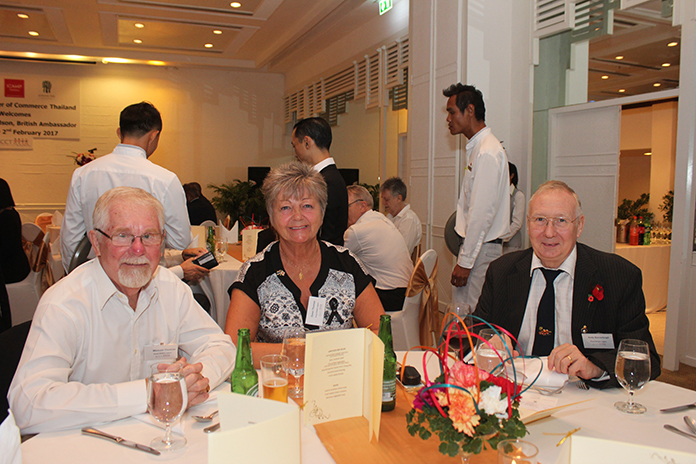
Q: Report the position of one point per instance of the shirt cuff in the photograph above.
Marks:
(602, 378)
(178, 271)
(132, 398)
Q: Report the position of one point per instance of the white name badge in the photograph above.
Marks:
(162, 352)
(598, 341)
(315, 311)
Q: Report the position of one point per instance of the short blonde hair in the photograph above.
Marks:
(294, 180)
(551, 185)
(361, 193)
(132, 196)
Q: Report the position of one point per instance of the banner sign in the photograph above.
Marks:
(36, 107)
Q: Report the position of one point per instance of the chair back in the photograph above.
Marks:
(81, 254)
(11, 345)
(208, 223)
(43, 220)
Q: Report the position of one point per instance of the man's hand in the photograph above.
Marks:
(567, 359)
(197, 386)
(460, 275)
(192, 272)
(193, 253)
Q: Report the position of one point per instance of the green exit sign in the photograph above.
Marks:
(384, 6)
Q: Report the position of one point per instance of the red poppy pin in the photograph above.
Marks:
(597, 292)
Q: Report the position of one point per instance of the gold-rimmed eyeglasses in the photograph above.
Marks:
(558, 223)
(150, 239)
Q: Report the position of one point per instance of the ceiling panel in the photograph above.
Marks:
(173, 35)
(14, 26)
(246, 7)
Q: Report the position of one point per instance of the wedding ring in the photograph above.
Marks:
(570, 359)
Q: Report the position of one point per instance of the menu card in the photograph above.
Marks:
(588, 449)
(343, 377)
(255, 430)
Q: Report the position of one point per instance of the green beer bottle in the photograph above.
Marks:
(244, 378)
(210, 240)
(389, 376)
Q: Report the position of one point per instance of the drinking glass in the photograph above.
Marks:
(294, 349)
(166, 401)
(486, 356)
(517, 451)
(275, 377)
(220, 249)
(632, 371)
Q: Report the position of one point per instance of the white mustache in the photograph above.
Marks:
(135, 260)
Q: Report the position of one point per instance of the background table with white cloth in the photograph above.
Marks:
(653, 261)
(215, 288)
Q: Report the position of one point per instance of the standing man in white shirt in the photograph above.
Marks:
(483, 209)
(99, 330)
(379, 246)
(140, 126)
(393, 193)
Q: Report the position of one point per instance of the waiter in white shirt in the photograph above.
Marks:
(483, 209)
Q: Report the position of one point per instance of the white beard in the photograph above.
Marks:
(134, 277)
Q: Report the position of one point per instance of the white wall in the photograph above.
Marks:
(215, 124)
(356, 140)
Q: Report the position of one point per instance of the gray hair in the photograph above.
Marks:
(132, 196)
(361, 193)
(555, 185)
(395, 186)
(294, 180)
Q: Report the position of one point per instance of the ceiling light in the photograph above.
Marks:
(23, 15)
(217, 32)
(673, 44)
(208, 45)
(235, 4)
(622, 90)
(138, 41)
(156, 63)
(666, 65)
(605, 77)
(139, 25)
(647, 153)
(115, 60)
(656, 84)
(619, 57)
(33, 33)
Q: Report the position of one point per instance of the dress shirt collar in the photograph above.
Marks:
(322, 164)
(129, 150)
(568, 266)
(404, 210)
(476, 139)
(106, 289)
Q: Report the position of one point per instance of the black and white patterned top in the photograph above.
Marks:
(341, 279)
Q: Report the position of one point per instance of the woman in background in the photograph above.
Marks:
(14, 264)
(513, 240)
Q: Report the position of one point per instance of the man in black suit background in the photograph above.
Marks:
(200, 209)
(595, 300)
(311, 139)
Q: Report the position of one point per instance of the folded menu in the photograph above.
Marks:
(533, 367)
(343, 377)
(589, 449)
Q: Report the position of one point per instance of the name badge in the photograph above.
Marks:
(598, 341)
(315, 311)
(162, 352)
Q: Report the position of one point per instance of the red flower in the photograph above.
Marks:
(590, 298)
(598, 293)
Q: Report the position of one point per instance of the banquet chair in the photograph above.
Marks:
(406, 325)
(11, 345)
(81, 254)
(24, 296)
(43, 220)
(208, 223)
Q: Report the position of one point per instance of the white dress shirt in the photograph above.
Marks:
(563, 293)
(409, 225)
(86, 356)
(381, 248)
(127, 166)
(483, 209)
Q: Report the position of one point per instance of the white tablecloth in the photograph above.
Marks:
(653, 261)
(215, 287)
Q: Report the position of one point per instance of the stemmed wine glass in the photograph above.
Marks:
(294, 349)
(166, 401)
(486, 356)
(633, 372)
(220, 249)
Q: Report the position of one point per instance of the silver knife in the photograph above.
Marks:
(672, 428)
(686, 407)
(119, 440)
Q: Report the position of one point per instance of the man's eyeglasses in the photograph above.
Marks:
(559, 223)
(150, 239)
(355, 201)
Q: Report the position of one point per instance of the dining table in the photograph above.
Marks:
(217, 283)
(590, 411)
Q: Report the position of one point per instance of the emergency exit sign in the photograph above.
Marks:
(384, 6)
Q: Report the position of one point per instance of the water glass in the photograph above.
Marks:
(220, 249)
(632, 371)
(274, 375)
(294, 349)
(166, 401)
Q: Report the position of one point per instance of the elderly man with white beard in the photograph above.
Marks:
(97, 333)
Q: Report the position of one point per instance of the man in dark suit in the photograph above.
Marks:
(595, 300)
(311, 139)
(199, 207)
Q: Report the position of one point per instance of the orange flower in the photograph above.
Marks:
(462, 410)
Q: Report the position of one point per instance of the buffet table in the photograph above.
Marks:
(653, 261)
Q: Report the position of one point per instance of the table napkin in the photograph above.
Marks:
(232, 235)
(531, 367)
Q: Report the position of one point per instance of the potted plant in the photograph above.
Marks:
(242, 200)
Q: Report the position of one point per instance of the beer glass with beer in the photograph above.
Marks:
(274, 374)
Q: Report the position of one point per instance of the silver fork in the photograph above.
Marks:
(548, 391)
(581, 385)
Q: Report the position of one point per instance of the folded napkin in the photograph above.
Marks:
(232, 235)
(531, 367)
(57, 218)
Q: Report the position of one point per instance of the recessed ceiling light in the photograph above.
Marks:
(23, 15)
(138, 41)
(622, 90)
(647, 153)
(139, 25)
(619, 57)
(656, 84)
(217, 32)
(208, 45)
(33, 33)
(673, 44)
(666, 65)
(235, 4)
(605, 77)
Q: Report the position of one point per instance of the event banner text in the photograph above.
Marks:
(36, 107)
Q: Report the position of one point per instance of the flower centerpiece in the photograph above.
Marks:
(466, 406)
(83, 158)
